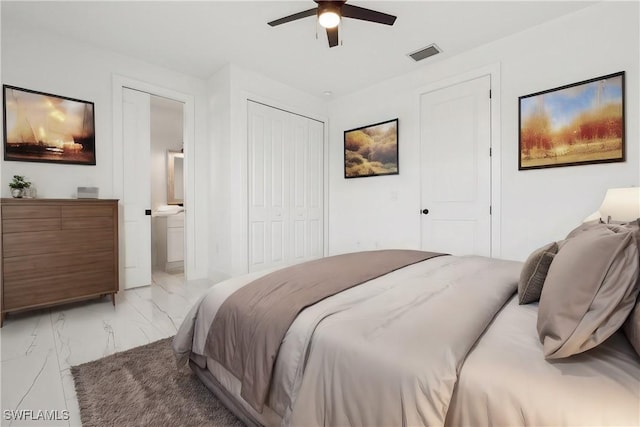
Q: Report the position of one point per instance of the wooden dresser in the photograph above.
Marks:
(57, 251)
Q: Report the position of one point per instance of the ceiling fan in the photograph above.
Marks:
(331, 11)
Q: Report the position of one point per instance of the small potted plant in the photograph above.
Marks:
(18, 185)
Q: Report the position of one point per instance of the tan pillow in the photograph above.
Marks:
(616, 226)
(632, 327)
(586, 226)
(590, 289)
(534, 272)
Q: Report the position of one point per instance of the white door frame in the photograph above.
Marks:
(120, 82)
(240, 258)
(493, 71)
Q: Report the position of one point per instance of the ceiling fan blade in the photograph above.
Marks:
(355, 12)
(332, 35)
(294, 17)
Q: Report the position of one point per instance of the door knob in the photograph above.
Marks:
(147, 211)
(425, 211)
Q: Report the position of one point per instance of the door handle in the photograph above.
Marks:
(147, 211)
(425, 211)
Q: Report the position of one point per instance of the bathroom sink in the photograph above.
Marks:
(168, 211)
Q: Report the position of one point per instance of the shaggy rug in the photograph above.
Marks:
(143, 387)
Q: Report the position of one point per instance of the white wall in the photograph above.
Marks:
(220, 186)
(229, 90)
(43, 61)
(537, 206)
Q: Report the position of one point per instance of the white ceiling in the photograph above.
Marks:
(200, 37)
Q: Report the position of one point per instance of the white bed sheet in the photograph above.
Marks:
(505, 380)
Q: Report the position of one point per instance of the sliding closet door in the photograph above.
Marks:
(285, 187)
(268, 187)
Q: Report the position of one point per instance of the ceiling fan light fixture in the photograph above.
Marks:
(330, 13)
(329, 19)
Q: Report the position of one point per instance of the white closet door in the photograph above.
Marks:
(285, 187)
(307, 185)
(268, 187)
(136, 138)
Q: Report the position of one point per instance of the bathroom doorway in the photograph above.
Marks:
(167, 188)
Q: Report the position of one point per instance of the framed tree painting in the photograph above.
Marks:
(577, 124)
(371, 150)
(41, 127)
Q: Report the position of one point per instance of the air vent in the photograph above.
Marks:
(425, 52)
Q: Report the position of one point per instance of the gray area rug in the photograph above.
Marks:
(143, 387)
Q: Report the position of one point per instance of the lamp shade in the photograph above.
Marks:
(621, 204)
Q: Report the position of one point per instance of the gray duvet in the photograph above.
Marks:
(249, 326)
(394, 358)
(385, 352)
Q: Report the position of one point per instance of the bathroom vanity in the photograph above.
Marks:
(168, 232)
(167, 219)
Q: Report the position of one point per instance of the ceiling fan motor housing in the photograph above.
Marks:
(330, 6)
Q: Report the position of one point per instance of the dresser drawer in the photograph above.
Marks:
(34, 266)
(86, 223)
(30, 211)
(84, 211)
(44, 290)
(56, 242)
(28, 225)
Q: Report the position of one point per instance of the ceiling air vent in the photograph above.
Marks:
(425, 52)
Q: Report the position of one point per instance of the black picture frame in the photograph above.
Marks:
(43, 127)
(581, 123)
(372, 150)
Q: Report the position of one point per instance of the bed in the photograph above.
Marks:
(439, 341)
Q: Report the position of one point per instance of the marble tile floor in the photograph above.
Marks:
(38, 348)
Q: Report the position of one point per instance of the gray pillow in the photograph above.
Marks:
(534, 272)
(590, 289)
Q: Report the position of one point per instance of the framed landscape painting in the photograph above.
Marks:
(577, 124)
(371, 150)
(41, 127)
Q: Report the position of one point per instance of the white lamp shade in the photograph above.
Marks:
(621, 204)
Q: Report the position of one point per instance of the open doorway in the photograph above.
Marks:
(132, 178)
(167, 188)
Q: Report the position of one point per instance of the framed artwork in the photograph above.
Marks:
(41, 127)
(577, 124)
(371, 150)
